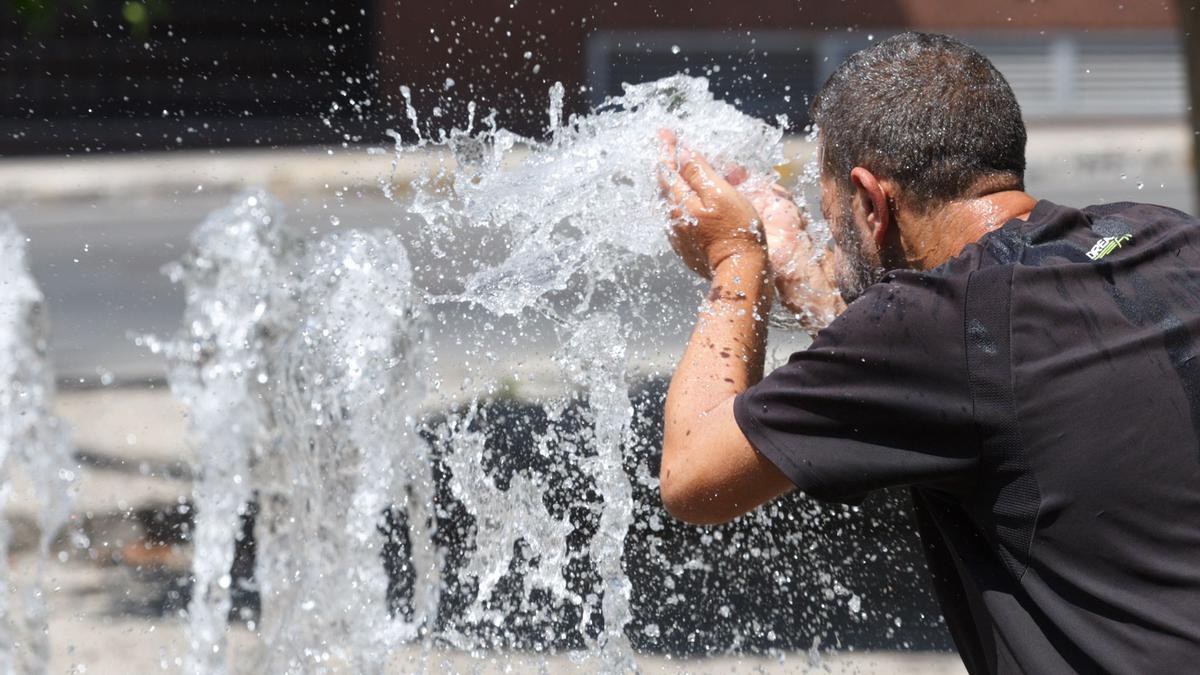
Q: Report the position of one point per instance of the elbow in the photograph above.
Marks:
(675, 500)
(688, 500)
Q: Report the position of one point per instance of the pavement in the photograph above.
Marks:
(100, 228)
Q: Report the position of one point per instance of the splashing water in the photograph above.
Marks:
(232, 277)
(587, 201)
(345, 390)
(32, 441)
(297, 365)
(573, 219)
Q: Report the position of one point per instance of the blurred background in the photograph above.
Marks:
(123, 123)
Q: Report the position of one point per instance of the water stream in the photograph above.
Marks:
(34, 446)
(298, 362)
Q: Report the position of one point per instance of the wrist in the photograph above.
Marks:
(741, 241)
(743, 277)
(737, 253)
(749, 262)
(814, 301)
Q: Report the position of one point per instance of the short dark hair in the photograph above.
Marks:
(926, 111)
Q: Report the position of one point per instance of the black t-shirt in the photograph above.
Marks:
(1040, 393)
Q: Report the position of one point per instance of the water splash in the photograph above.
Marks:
(297, 363)
(564, 226)
(33, 441)
(346, 392)
(586, 202)
(505, 518)
(236, 279)
(595, 359)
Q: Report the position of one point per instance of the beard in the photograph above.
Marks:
(858, 267)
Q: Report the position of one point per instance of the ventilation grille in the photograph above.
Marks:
(1064, 76)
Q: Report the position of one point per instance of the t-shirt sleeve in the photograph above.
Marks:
(880, 399)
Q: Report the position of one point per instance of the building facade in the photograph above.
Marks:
(263, 74)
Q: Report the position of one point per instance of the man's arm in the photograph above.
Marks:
(710, 472)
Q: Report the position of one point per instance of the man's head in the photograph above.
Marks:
(907, 126)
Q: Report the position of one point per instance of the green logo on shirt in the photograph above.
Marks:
(1108, 245)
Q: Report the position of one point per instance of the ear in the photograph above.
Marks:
(874, 200)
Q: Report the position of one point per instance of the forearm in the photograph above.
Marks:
(725, 353)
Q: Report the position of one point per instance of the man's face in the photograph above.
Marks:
(859, 263)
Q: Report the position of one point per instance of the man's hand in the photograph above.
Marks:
(804, 281)
(783, 223)
(711, 220)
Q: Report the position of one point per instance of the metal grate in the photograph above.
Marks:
(1094, 75)
(1067, 76)
(1136, 79)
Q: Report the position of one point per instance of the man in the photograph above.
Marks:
(1028, 369)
